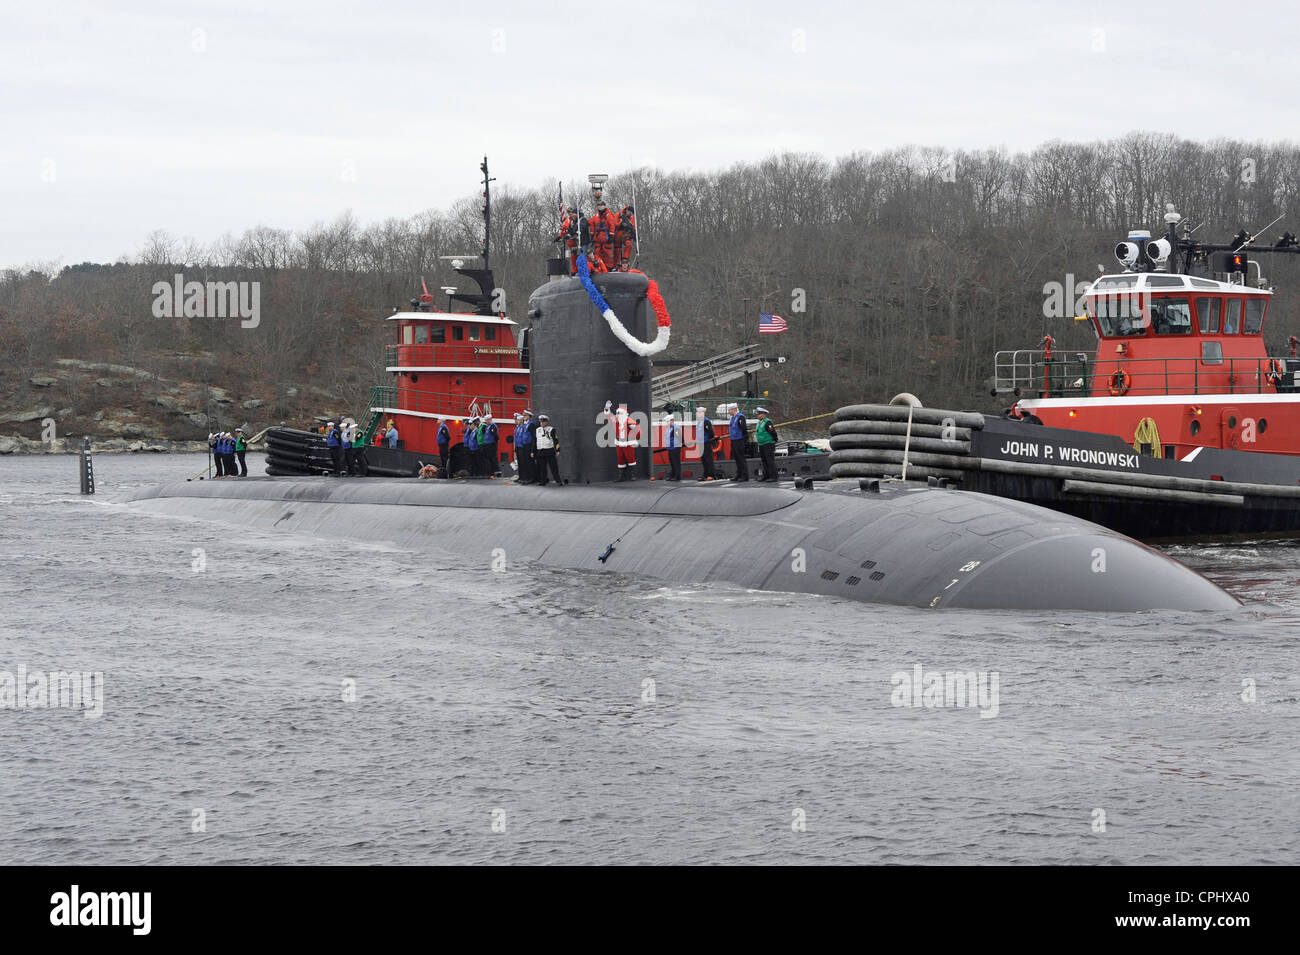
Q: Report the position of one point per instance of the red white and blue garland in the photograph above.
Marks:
(627, 338)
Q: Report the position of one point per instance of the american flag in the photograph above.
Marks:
(771, 324)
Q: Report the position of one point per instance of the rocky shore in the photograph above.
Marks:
(16, 444)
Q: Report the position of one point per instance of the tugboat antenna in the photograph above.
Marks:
(636, 233)
(1250, 237)
(487, 212)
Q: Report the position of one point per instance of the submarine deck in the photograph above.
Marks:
(917, 546)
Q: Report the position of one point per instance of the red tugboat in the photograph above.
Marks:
(450, 368)
(453, 368)
(1164, 337)
(1179, 426)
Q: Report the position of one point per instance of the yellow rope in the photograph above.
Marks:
(1148, 433)
(802, 420)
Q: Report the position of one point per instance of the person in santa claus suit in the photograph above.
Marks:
(626, 437)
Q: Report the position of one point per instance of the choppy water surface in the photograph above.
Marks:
(521, 701)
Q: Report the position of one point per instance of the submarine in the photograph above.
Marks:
(591, 341)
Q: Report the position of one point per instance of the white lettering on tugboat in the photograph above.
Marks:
(1065, 454)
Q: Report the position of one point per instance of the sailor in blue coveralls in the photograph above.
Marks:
(736, 432)
(444, 448)
(673, 442)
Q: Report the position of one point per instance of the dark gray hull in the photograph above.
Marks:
(1215, 495)
(920, 547)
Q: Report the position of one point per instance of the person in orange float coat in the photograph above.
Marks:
(603, 226)
(568, 237)
(625, 239)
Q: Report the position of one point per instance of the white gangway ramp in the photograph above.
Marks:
(708, 374)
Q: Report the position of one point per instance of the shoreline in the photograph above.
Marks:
(27, 447)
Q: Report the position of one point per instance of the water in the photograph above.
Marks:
(520, 699)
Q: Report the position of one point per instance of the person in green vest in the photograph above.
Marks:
(765, 434)
(241, 445)
(359, 451)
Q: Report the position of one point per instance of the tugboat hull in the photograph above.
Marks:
(1212, 494)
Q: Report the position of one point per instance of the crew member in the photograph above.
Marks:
(705, 439)
(673, 442)
(241, 447)
(471, 445)
(603, 225)
(334, 441)
(625, 239)
(765, 435)
(523, 450)
(216, 455)
(391, 435)
(349, 458)
(359, 452)
(736, 431)
(487, 442)
(568, 237)
(228, 452)
(444, 448)
(548, 446)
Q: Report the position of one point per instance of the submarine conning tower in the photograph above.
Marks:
(578, 364)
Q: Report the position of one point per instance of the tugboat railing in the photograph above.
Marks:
(1079, 375)
(487, 355)
(438, 403)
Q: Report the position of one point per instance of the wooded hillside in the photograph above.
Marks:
(913, 265)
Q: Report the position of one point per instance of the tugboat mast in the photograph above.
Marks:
(487, 212)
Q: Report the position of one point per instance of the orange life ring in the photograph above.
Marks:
(1119, 383)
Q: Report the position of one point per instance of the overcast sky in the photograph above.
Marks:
(205, 118)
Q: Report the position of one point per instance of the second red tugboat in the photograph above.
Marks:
(1179, 426)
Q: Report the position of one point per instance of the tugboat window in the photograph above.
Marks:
(421, 334)
(408, 334)
(1232, 317)
(1212, 353)
(437, 334)
(473, 333)
(1207, 314)
(1119, 315)
(1254, 316)
(457, 333)
(489, 333)
(1171, 316)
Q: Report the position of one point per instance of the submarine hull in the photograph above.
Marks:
(920, 547)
